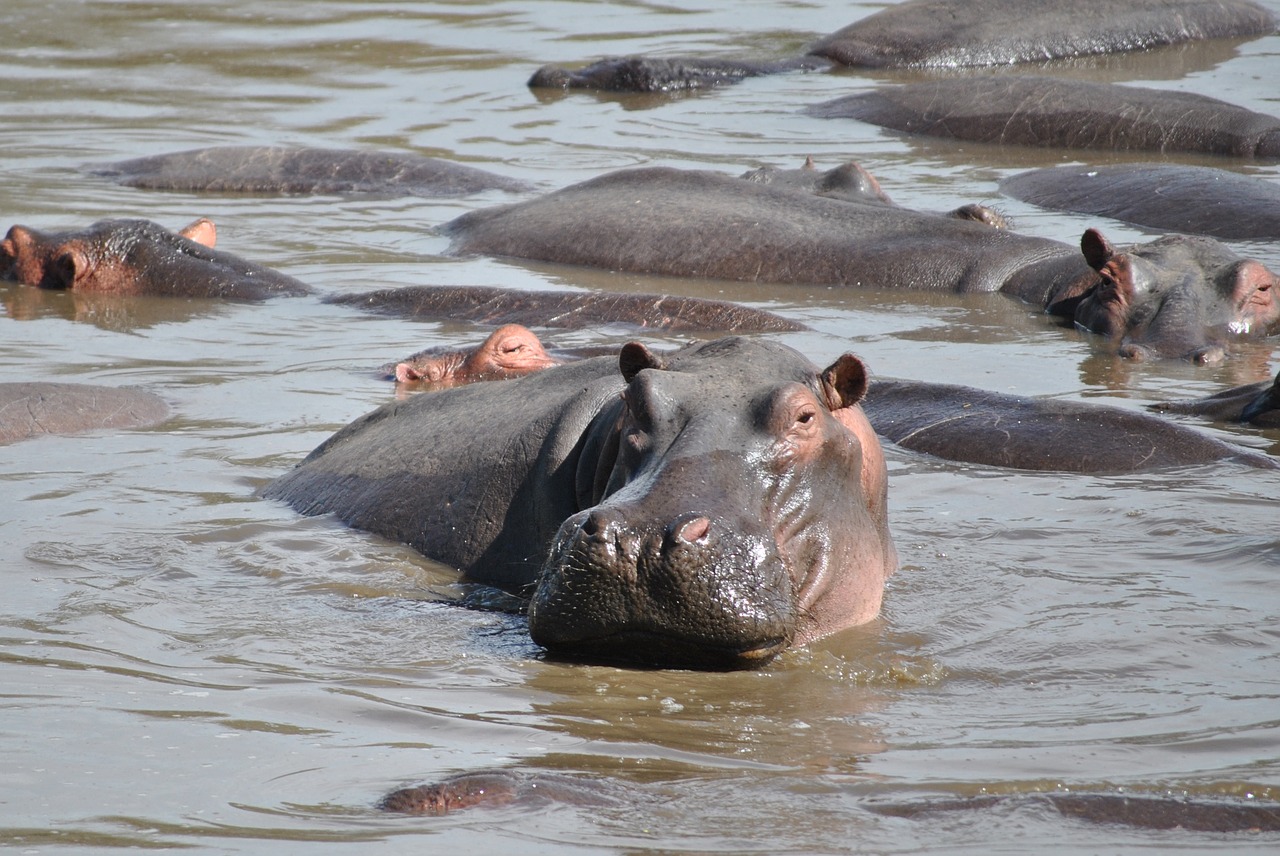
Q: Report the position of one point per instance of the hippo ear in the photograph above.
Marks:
(1096, 248)
(201, 231)
(635, 358)
(844, 382)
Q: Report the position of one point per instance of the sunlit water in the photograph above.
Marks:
(183, 664)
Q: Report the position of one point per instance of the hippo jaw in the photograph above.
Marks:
(694, 593)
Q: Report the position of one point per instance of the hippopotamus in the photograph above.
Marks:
(1058, 113)
(510, 351)
(1177, 296)
(946, 34)
(34, 408)
(1137, 810)
(132, 257)
(284, 170)
(708, 508)
(976, 426)
(1255, 403)
(1198, 200)
(491, 305)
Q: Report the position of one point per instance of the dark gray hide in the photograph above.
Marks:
(32, 409)
(1049, 112)
(273, 170)
(1198, 200)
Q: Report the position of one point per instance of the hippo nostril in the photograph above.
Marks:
(596, 525)
(692, 529)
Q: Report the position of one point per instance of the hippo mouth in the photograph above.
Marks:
(657, 650)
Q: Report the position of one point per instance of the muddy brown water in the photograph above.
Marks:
(184, 665)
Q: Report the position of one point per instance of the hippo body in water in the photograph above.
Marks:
(272, 170)
(1255, 403)
(566, 309)
(1057, 113)
(36, 408)
(708, 508)
(1177, 296)
(945, 34)
(134, 257)
(1197, 200)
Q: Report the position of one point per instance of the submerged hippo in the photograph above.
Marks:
(708, 508)
(131, 257)
(297, 171)
(1058, 113)
(489, 305)
(1177, 296)
(1198, 200)
(1255, 403)
(31, 409)
(961, 423)
(510, 351)
(947, 34)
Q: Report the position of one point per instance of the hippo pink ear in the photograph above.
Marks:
(201, 231)
(1096, 248)
(844, 382)
(635, 358)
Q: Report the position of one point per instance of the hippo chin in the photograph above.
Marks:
(707, 509)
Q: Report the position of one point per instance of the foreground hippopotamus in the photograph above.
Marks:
(510, 351)
(285, 170)
(132, 257)
(36, 408)
(947, 34)
(490, 305)
(1058, 113)
(708, 508)
(1199, 200)
(1177, 296)
(1255, 403)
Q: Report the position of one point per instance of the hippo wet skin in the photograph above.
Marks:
(1254, 403)
(1177, 296)
(134, 257)
(945, 34)
(285, 170)
(705, 509)
(35, 408)
(1198, 200)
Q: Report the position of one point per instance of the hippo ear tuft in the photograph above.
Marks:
(844, 382)
(1096, 248)
(635, 358)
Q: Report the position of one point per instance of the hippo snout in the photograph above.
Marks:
(692, 590)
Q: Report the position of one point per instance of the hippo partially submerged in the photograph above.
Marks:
(32, 409)
(131, 257)
(1177, 296)
(510, 351)
(273, 170)
(1198, 200)
(708, 508)
(1254, 403)
(1057, 113)
(946, 34)
(491, 305)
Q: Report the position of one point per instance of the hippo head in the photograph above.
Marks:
(510, 351)
(1178, 296)
(132, 257)
(737, 505)
(93, 259)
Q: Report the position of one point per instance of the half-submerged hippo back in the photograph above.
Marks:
(708, 509)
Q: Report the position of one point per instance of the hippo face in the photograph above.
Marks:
(1177, 297)
(510, 351)
(737, 512)
(137, 257)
